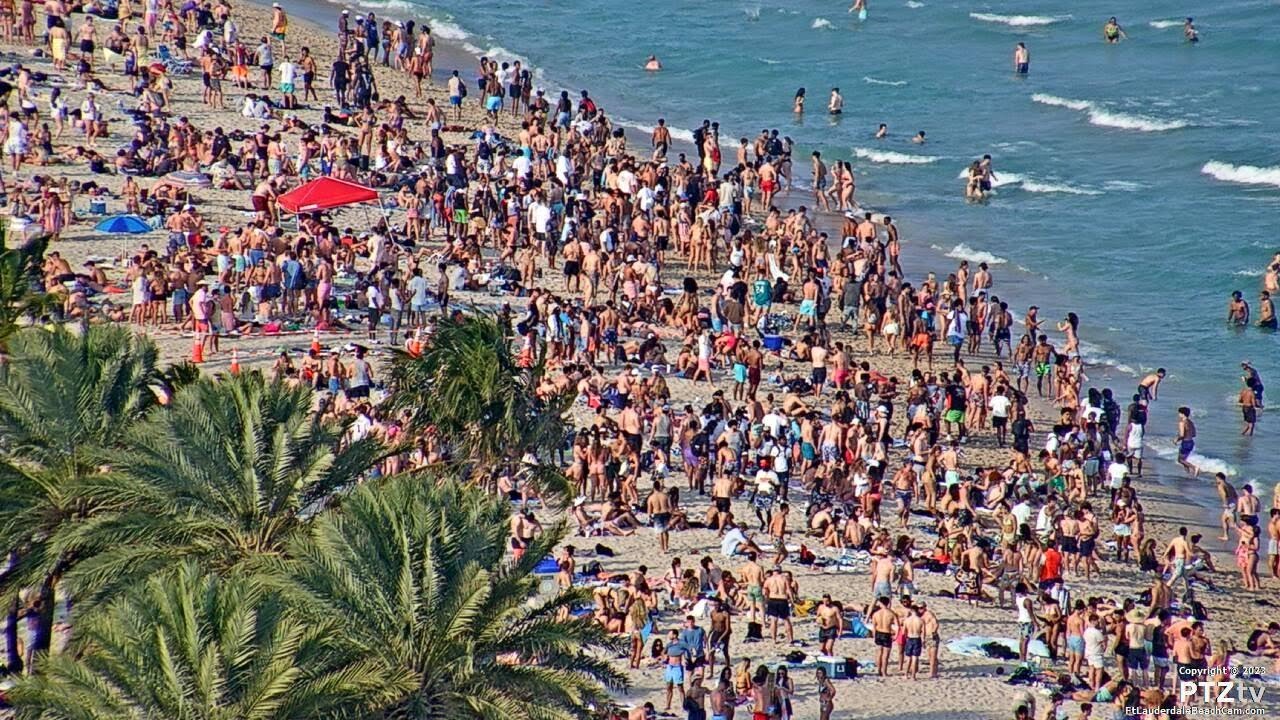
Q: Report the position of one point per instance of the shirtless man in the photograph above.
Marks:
(883, 620)
(1186, 440)
(821, 179)
(1227, 495)
(913, 627)
(830, 625)
(1149, 386)
(753, 578)
(881, 577)
(1247, 505)
(932, 636)
(524, 528)
(1178, 556)
(658, 505)
(777, 595)
(835, 105)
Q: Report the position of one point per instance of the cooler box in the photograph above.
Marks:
(97, 207)
(836, 667)
(773, 343)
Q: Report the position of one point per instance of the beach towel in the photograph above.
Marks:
(972, 646)
(546, 566)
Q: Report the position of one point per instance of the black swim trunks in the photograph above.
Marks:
(883, 639)
(780, 609)
(828, 633)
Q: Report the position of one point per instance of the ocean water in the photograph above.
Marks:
(1139, 183)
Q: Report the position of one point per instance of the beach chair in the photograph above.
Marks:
(173, 65)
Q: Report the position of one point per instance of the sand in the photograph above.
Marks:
(968, 687)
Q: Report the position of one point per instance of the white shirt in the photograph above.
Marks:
(627, 182)
(1117, 472)
(564, 168)
(522, 165)
(1094, 641)
(540, 216)
(288, 71)
(418, 286)
(1022, 512)
(374, 296)
(999, 405)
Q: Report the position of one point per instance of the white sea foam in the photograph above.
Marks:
(1056, 101)
(446, 30)
(877, 81)
(1020, 20)
(1207, 465)
(1001, 179)
(914, 5)
(893, 158)
(1242, 174)
(768, 61)
(1094, 355)
(1247, 273)
(1123, 185)
(1165, 24)
(1102, 117)
(1033, 186)
(964, 252)
(752, 13)
(821, 24)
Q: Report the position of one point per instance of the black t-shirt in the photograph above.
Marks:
(340, 71)
(957, 395)
(1021, 434)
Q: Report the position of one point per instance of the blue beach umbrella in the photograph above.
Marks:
(117, 224)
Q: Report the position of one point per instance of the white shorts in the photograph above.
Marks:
(1133, 444)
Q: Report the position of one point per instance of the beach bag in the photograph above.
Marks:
(592, 569)
(755, 631)
(604, 550)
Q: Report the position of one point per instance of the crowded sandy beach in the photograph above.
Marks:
(401, 338)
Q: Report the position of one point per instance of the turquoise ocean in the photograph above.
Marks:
(1139, 183)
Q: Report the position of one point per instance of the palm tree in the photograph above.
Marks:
(64, 399)
(190, 646)
(225, 477)
(413, 571)
(469, 386)
(20, 298)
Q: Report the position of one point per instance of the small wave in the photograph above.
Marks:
(1020, 20)
(1126, 121)
(768, 61)
(445, 30)
(1123, 185)
(1001, 178)
(1094, 355)
(1206, 464)
(1108, 118)
(1056, 101)
(752, 13)
(893, 158)
(1165, 24)
(964, 252)
(914, 5)
(877, 81)
(1050, 187)
(1242, 174)
(821, 24)
(1247, 273)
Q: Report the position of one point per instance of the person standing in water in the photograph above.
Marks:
(652, 64)
(1186, 440)
(797, 105)
(1021, 59)
(1112, 32)
(835, 105)
(1189, 31)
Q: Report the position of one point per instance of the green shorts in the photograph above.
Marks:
(954, 416)
(1042, 369)
(756, 594)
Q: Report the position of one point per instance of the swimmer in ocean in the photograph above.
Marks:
(1021, 59)
(919, 138)
(797, 106)
(882, 132)
(1189, 31)
(835, 105)
(653, 64)
(1112, 32)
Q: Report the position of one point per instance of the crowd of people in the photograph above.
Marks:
(634, 272)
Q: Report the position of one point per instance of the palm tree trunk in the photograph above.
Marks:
(13, 654)
(44, 620)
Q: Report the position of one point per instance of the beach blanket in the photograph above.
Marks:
(971, 646)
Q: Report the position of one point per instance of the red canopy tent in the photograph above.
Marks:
(325, 193)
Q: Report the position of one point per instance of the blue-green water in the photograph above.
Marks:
(1143, 177)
